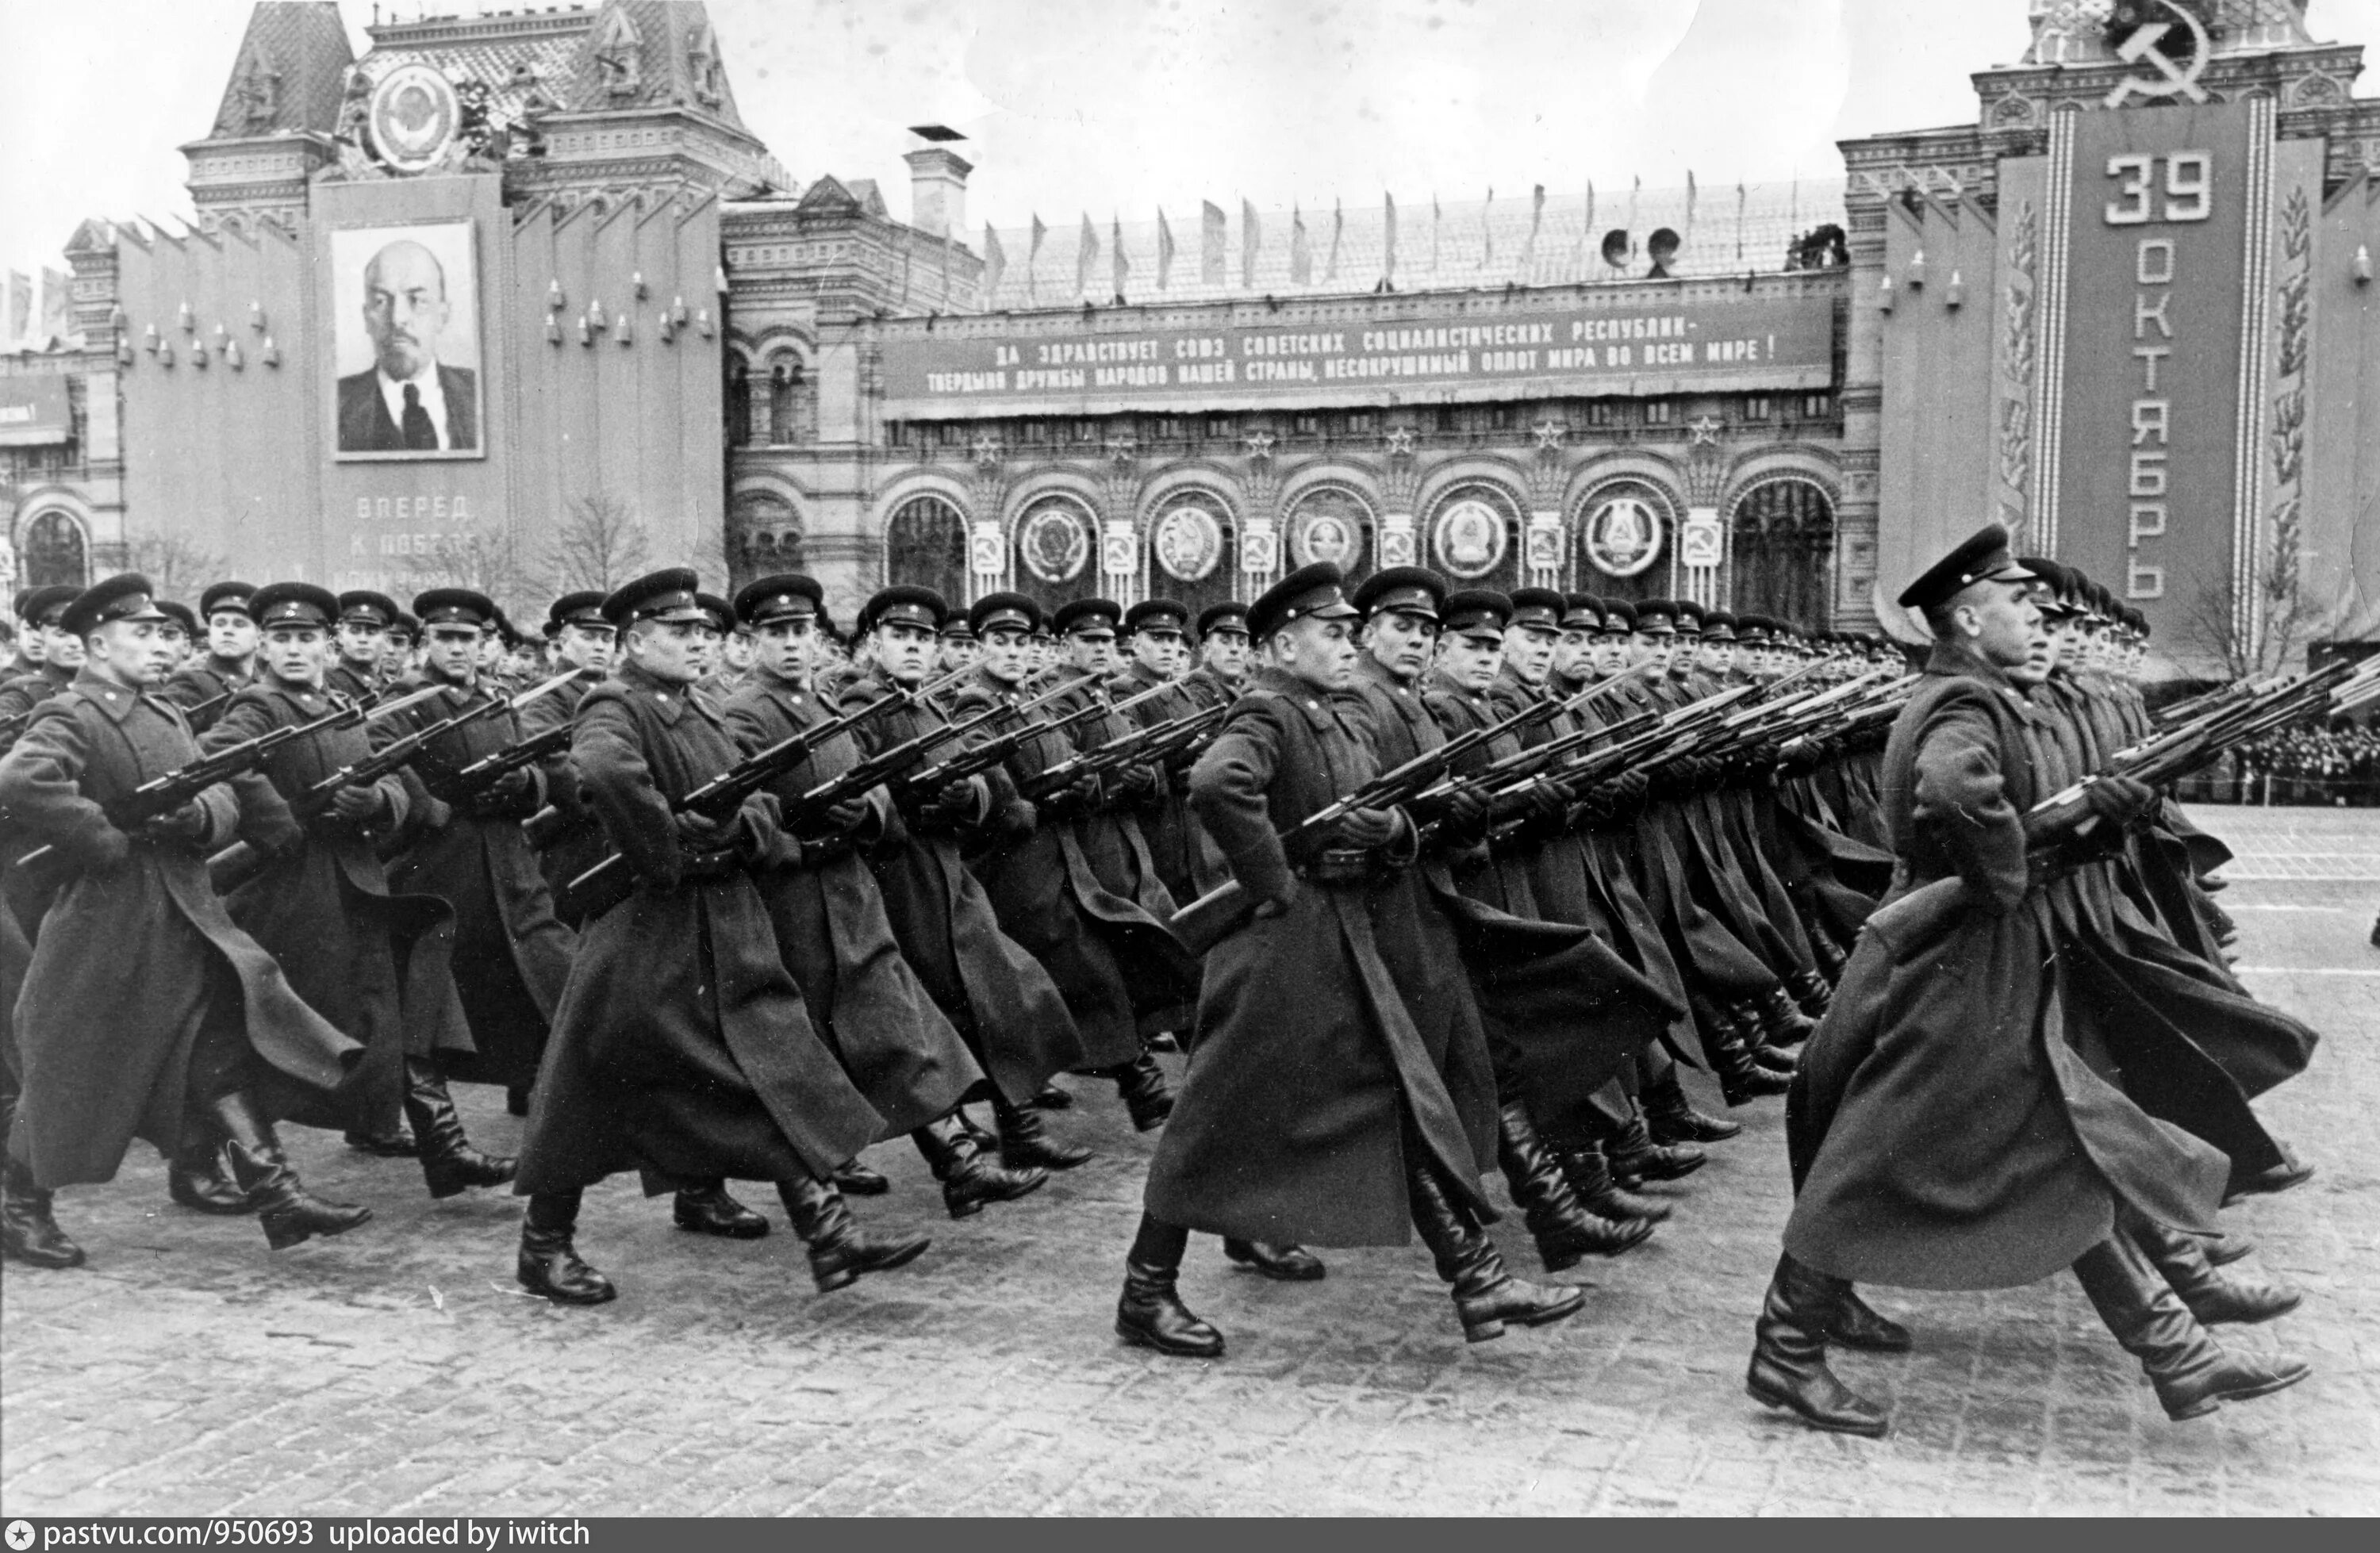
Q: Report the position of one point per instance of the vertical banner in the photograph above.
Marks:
(2167, 206)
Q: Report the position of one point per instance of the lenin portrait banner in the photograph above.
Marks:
(406, 326)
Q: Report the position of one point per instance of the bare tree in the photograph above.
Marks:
(600, 544)
(2287, 617)
(488, 560)
(175, 564)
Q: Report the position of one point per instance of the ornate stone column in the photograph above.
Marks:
(1261, 539)
(986, 542)
(1119, 526)
(1399, 540)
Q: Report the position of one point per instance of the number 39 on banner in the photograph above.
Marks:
(2189, 179)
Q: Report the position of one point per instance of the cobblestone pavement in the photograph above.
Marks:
(396, 1370)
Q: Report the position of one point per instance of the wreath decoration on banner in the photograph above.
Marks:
(1054, 542)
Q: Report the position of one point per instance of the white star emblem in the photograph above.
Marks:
(1259, 444)
(1705, 431)
(1400, 440)
(1550, 434)
(986, 450)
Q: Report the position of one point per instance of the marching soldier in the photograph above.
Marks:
(182, 632)
(511, 954)
(1349, 1123)
(52, 658)
(204, 686)
(864, 1000)
(373, 963)
(959, 648)
(365, 617)
(1943, 1140)
(145, 1012)
(680, 1047)
(1154, 628)
(994, 993)
(1071, 876)
(403, 638)
(583, 640)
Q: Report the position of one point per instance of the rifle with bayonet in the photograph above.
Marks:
(1089, 763)
(161, 796)
(976, 759)
(611, 880)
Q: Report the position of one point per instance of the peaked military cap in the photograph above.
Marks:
(1656, 617)
(582, 608)
(1619, 616)
(1983, 557)
(785, 596)
(180, 615)
(903, 604)
(1690, 616)
(366, 608)
(1005, 612)
(668, 596)
(1157, 614)
(1540, 608)
(127, 596)
(1319, 591)
(1401, 591)
(233, 596)
(1718, 626)
(1478, 613)
(1087, 617)
(1228, 618)
(958, 628)
(721, 612)
(293, 603)
(455, 606)
(1582, 612)
(1752, 629)
(407, 625)
(47, 606)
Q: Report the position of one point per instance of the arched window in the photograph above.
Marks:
(55, 552)
(1627, 531)
(925, 543)
(1784, 551)
(739, 403)
(768, 536)
(792, 402)
(1473, 534)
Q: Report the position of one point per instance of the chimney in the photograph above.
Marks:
(938, 178)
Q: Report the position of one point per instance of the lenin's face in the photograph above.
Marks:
(405, 307)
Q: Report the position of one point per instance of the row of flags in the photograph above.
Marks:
(35, 315)
(1214, 255)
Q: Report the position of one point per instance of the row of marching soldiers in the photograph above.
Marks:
(1434, 883)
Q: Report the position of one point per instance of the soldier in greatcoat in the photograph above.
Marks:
(376, 965)
(146, 1012)
(896, 1045)
(361, 642)
(203, 686)
(1963, 1118)
(1153, 632)
(1344, 1122)
(582, 640)
(680, 1047)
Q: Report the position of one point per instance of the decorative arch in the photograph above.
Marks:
(925, 543)
(54, 548)
(1646, 482)
(791, 386)
(1781, 529)
(766, 528)
(1470, 529)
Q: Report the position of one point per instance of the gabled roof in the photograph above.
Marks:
(289, 73)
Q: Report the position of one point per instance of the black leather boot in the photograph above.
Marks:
(2215, 1297)
(2273, 1178)
(840, 1250)
(1741, 1080)
(548, 1263)
(1831, 957)
(196, 1180)
(27, 1232)
(2228, 1248)
(1486, 1296)
(1589, 1174)
(1782, 1025)
(1142, 1085)
(2194, 1375)
(290, 1213)
(1150, 1314)
(1788, 1354)
(1855, 1324)
(1277, 1260)
(449, 1164)
(708, 1210)
(1636, 1158)
(516, 1100)
(856, 1180)
(1565, 1231)
(1673, 1120)
(969, 1179)
(395, 1143)
(1810, 990)
(1024, 1141)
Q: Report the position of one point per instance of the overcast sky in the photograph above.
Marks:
(1122, 106)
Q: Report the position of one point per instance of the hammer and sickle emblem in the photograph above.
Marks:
(2171, 80)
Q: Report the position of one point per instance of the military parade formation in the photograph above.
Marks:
(1440, 889)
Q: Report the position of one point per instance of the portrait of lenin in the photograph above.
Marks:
(408, 400)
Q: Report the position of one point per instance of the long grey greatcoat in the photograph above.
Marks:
(511, 954)
(377, 966)
(1957, 1122)
(680, 1048)
(1004, 1004)
(1305, 1056)
(897, 1045)
(135, 957)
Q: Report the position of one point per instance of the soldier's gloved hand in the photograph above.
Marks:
(1137, 782)
(188, 823)
(1547, 800)
(1631, 788)
(702, 833)
(2116, 799)
(955, 805)
(1367, 828)
(358, 804)
(1464, 813)
(841, 817)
